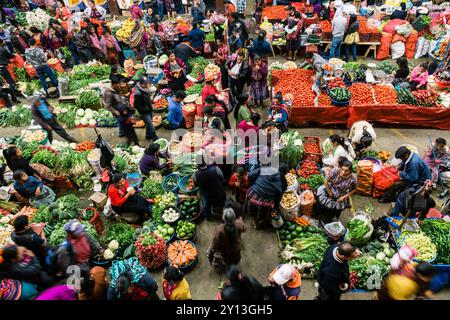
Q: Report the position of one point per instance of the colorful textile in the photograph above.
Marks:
(131, 265)
(10, 289)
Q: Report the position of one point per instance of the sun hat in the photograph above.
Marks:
(283, 274)
(73, 227)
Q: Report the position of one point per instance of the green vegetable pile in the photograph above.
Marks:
(378, 250)
(65, 208)
(404, 96)
(371, 154)
(439, 233)
(195, 89)
(426, 249)
(351, 66)
(67, 115)
(292, 152)
(89, 99)
(189, 208)
(369, 272)
(45, 157)
(59, 235)
(197, 65)
(28, 148)
(21, 74)
(185, 229)
(357, 229)
(291, 230)
(314, 181)
(32, 86)
(121, 232)
(67, 54)
(15, 117)
(387, 67)
(151, 188)
(340, 94)
(21, 18)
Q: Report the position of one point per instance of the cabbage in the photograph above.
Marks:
(80, 112)
(77, 122)
(92, 122)
(88, 111)
(84, 121)
(380, 256)
(135, 150)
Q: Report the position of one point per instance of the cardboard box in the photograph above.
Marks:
(99, 199)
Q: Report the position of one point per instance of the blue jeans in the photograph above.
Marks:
(150, 132)
(347, 51)
(43, 72)
(335, 51)
(73, 50)
(160, 10)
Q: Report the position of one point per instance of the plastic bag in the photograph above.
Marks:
(397, 50)
(404, 29)
(207, 48)
(385, 178)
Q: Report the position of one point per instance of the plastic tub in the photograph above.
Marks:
(134, 179)
(183, 183)
(166, 179)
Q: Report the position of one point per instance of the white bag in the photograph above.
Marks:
(432, 47)
(404, 29)
(420, 47)
(108, 210)
(397, 50)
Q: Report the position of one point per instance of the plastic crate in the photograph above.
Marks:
(317, 157)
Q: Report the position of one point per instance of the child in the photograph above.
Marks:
(239, 184)
(126, 124)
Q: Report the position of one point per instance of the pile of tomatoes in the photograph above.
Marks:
(361, 94)
(307, 168)
(324, 100)
(385, 94)
(311, 147)
(275, 12)
(325, 26)
(297, 82)
(336, 83)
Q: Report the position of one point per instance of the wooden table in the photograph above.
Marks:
(372, 47)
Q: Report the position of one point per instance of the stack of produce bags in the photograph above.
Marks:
(364, 172)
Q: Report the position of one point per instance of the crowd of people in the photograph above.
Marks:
(32, 269)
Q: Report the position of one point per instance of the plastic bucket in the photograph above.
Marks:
(166, 180)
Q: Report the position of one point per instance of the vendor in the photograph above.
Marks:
(175, 72)
(258, 87)
(175, 286)
(151, 160)
(337, 147)
(131, 281)
(31, 190)
(214, 107)
(243, 110)
(184, 51)
(403, 70)
(419, 77)
(413, 170)
(278, 112)
(414, 202)
(175, 117)
(361, 135)
(333, 196)
(124, 198)
(198, 11)
(136, 11)
(264, 194)
(15, 161)
(209, 88)
(293, 30)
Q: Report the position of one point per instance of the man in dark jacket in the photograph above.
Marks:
(333, 276)
(42, 113)
(143, 104)
(113, 99)
(24, 236)
(413, 170)
(83, 45)
(184, 51)
(5, 55)
(210, 180)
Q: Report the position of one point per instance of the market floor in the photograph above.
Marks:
(260, 252)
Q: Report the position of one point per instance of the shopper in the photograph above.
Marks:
(175, 72)
(37, 58)
(400, 14)
(151, 160)
(333, 276)
(143, 99)
(209, 179)
(238, 75)
(286, 282)
(338, 25)
(352, 37)
(239, 286)
(259, 90)
(42, 113)
(198, 11)
(175, 116)
(294, 29)
(175, 286)
(413, 170)
(112, 99)
(81, 42)
(197, 37)
(262, 47)
(15, 161)
(225, 248)
(361, 136)
(434, 156)
(264, 194)
(5, 56)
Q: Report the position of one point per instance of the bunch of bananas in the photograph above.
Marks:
(125, 31)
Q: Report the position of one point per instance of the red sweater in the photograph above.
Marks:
(117, 196)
